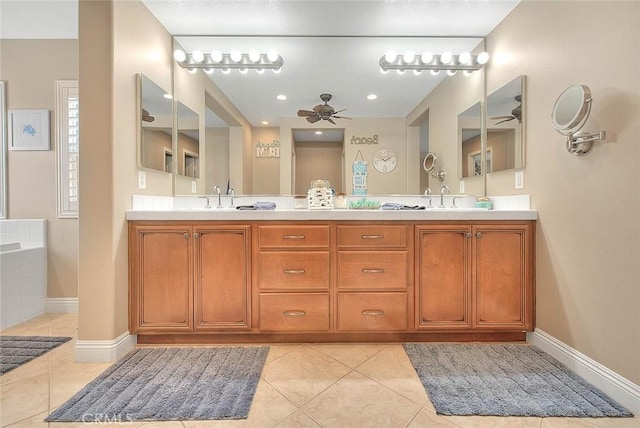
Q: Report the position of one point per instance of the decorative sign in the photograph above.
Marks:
(359, 175)
(266, 150)
(364, 140)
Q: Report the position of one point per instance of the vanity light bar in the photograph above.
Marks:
(229, 61)
(446, 61)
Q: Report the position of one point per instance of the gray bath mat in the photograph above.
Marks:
(163, 384)
(505, 380)
(18, 350)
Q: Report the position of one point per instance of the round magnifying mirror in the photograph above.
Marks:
(572, 108)
(429, 162)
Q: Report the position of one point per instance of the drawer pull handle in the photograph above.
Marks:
(294, 313)
(373, 312)
(293, 236)
(372, 236)
(373, 270)
(293, 271)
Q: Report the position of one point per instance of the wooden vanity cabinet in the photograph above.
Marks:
(186, 277)
(373, 278)
(475, 277)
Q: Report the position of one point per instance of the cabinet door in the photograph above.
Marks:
(222, 277)
(161, 284)
(443, 273)
(503, 277)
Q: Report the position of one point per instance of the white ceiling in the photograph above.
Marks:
(327, 46)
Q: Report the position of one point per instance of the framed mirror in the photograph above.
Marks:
(505, 123)
(155, 117)
(188, 136)
(3, 152)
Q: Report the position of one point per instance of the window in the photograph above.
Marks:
(68, 145)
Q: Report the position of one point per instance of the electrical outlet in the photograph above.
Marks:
(142, 180)
(519, 179)
(193, 186)
(461, 186)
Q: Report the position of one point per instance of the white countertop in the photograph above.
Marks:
(227, 214)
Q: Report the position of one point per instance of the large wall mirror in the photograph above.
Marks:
(505, 122)
(313, 66)
(155, 149)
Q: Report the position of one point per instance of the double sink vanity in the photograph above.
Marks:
(201, 275)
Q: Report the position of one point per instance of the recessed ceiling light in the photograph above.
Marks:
(264, 122)
(372, 96)
(318, 132)
(168, 96)
(281, 97)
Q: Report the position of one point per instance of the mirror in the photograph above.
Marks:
(3, 153)
(505, 122)
(470, 142)
(156, 120)
(312, 66)
(571, 109)
(188, 136)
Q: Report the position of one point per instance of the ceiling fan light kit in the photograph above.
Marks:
(427, 61)
(226, 61)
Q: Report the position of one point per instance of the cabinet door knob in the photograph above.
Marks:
(372, 236)
(380, 270)
(478, 234)
(293, 271)
(294, 313)
(196, 235)
(373, 312)
(186, 235)
(469, 235)
(293, 236)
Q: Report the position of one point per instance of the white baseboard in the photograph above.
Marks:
(61, 305)
(615, 386)
(104, 351)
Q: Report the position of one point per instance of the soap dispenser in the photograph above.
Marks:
(484, 202)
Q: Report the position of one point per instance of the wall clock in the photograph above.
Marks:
(384, 161)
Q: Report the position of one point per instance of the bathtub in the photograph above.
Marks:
(23, 270)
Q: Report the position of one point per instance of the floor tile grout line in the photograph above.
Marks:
(391, 389)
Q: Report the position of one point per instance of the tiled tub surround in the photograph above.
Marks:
(23, 270)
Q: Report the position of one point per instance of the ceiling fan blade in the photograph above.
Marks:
(305, 113)
(331, 121)
(341, 117)
(338, 111)
(317, 108)
(501, 117)
(313, 119)
(505, 120)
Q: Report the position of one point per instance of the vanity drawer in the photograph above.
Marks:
(293, 269)
(293, 236)
(372, 311)
(294, 312)
(373, 269)
(374, 236)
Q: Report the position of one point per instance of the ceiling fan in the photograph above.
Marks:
(322, 111)
(516, 113)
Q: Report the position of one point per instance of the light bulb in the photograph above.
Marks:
(273, 55)
(179, 55)
(260, 70)
(383, 71)
(281, 97)
(435, 72)
(408, 57)
(468, 72)
(197, 56)
(401, 71)
(254, 56)
(451, 72)
(208, 70)
(192, 70)
(235, 56)
(426, 57)
(417, 72)
(244, 70)
(226, 71)
(483, 58)
(446, 58)
(216, 56)
(372, 97)
(277, 70)
(464, 58)
(390, 57)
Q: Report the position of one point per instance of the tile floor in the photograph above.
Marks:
(302, 385)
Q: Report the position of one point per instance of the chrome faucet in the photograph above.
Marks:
(217, 190)
(232, 193)
(427, 192)
(443, 190)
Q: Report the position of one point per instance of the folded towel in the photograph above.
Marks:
(258, 206)
(396, 206)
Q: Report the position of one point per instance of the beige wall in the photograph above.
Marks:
(30, 68)
(588, 242)
(266, 171)
(217, 165)
(318, 160)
